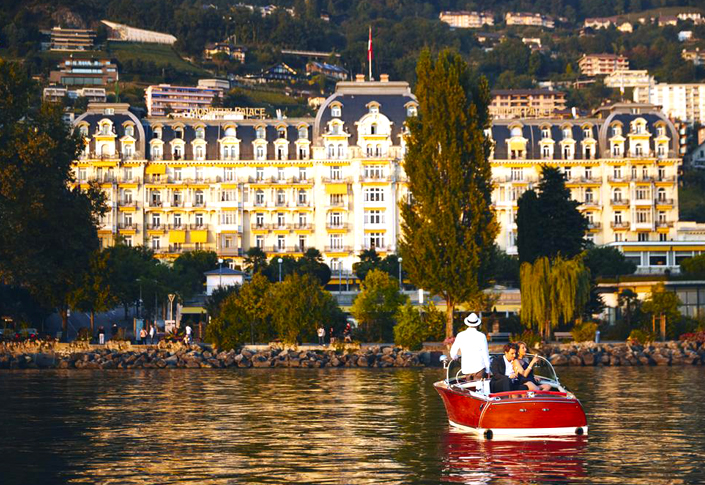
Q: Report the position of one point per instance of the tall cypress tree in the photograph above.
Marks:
(448, 227)
(550, 223)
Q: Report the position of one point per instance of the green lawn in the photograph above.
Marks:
(161, 55)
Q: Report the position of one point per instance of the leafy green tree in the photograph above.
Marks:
(628, 301)
(94, 293)
(376, 304)
(505, 267)
(448, 227)
(694, 265)
(255, 260)
(369, 260)
(299, 306)
(254, 298)
(552, 291)
(607, 261)
(410, 330)
(48, 229)
(561, 230)
(189, 269)
(289, 265)
(214, 302)
(231, 327)
(312, 263)
(662, 301)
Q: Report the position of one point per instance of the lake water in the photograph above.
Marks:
(337, 426)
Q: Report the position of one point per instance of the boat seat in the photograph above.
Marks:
(479, 386)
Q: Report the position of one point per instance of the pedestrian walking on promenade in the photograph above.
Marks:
(101, 335)
(114, 330)
(152, 332)
(143, 336)
(189, 331)
(321, 335)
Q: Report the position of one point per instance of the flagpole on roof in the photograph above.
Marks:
(369, 54)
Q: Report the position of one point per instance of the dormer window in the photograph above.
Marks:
(587, 132)
(335, 111)
(335, 129)
(178, 153)
(616, 130)
(200, 133)
(281, 133)
(158, 133)
(545, 132)
(303, 132)
(83, 130)
(661, 130)
(373, 129)
(411, 110)
(179, 133)
(105, 129)
(130, 130)
(516, 131)
(260, 132)
(567, 132)
(374, 109)
(230, 131)
(199, 153)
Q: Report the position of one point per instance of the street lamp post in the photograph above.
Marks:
(280, 261)
(220, 272)
(340, 277)
(401, 288)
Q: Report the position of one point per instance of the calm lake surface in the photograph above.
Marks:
(647, 425)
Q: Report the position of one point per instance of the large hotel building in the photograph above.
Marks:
(223, 181)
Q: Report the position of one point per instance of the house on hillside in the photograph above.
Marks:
(234, 52)
(328, 70)
(278, 72)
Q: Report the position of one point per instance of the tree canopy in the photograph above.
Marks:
(448, 228)
(376, 306)
(549, 223)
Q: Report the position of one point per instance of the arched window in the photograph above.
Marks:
(516, 131)
(303, 132)
(260, 153)
(259, 197)
(105, 129)
(588, 196)
(179, 133)
(200, 133)
(129, 130)
(341, 151)
(281, 197)
(567, 132)
(335, 111)
(661, 194)
(331, 151)
(230, 131)
(260, 132)
(302, 196)
(281, 133)
(545, 132)
(83, 129)
(373, 129)
(617, 194)
(199, 153)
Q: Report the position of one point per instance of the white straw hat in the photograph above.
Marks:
(473, 320)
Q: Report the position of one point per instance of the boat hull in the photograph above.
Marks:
(514, 414)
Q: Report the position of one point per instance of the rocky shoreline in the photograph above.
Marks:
(122, 355)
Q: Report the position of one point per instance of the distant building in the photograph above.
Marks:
(223, 277)
(697, 158)
(94, 95)
(665, 20)
(628, 79)
(71, 39)
(602, 64)
(328, 70)
(462, 19)
(625, 27)
(683, 102)
(85, 72)
(597, 23)
(163, 99)
(684, 35)
(530, 19)
(696, 17)
(489, 38)
(695, 56)
(278, 72)
(525, 103)
(534, 43)
(222, 84)
(54, 94)
(131, 34)
(236, 53)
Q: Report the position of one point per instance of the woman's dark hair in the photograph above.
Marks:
(507, 347)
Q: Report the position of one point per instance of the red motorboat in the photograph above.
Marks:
(471, 406)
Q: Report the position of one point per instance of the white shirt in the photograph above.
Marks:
(508, 367)
(472, 345)
(188, 330)
(151, 331)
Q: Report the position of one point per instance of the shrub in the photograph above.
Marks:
(585, 332)
(697, 337)
(529, 337)
(84, 334)
(641, 337)
(410, 330)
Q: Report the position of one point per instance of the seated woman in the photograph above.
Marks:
(525, 372)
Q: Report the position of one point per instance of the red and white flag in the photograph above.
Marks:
(369, 47)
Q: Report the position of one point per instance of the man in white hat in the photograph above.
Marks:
(472, 345)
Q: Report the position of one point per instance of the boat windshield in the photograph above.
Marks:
(542, 368)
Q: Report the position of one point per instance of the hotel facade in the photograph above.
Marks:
(226, 182)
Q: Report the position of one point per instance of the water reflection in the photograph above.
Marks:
(471, 459)
(332, 426)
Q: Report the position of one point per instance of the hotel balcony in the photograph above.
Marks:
(153, 226)
(336, 204)
(643, 202)
(584, 180)
(302, 227)
(619, 225)
(260, 227)
(664, 224)
(592, 204)
(666, 178)
(594, 226)
(337, 249)
(178, 227)
(103, 179)
(129, 203)
(612, 178)
(345, 226)
(668, 202)
(197, 227)
(104, 156)
(127, 225)
(129, 180)
(341, 180)
(619, 202)
(304, 203)
(374, 178)
(287, 249)
(154, 203)
(229, 251)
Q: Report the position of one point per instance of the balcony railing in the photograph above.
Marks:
(104, 156)
(664, 224)
(129, 180)
(155, 203)
(666, 178)
(332, 203)
(198, 227)
(129, 203)
(619, 201)
(619, 225)
(288, 249)
(261, 227)
(337, 249)
(591, 203)
(179, 227)
(280, 203)
(156, 226)
(664, 201)
(340, 180)
(375, 178)
(127, 225)
(302, 227)
(594, 225)
(303, 203)
(343, 225)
